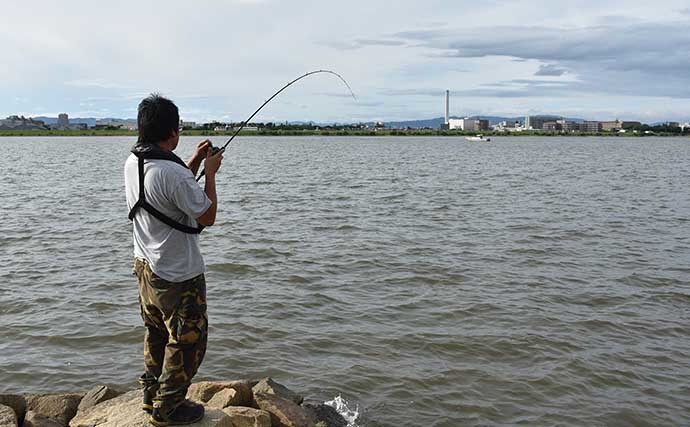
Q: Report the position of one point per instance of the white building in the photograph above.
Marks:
(466, 124)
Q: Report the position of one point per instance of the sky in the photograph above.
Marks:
(219, 60)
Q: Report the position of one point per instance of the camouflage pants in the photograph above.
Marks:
(174, 314)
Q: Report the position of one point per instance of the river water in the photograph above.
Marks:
(428, 281)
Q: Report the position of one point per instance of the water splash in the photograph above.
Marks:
(340, 405)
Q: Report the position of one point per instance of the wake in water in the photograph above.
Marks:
(340, 405)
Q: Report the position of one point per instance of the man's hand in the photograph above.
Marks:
(202, 149)
(213, 161)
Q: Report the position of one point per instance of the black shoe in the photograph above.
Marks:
(150, 385)
(187, 413)
(147, 406)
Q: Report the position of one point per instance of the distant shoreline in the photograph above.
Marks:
(384, 132)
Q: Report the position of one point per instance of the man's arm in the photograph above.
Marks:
(211, 167)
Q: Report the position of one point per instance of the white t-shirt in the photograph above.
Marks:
(171, 188)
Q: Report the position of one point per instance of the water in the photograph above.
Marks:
(428, 281)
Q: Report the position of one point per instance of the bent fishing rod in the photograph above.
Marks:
(244, 123)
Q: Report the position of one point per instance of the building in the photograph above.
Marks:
(508, 126)
(567, 125)
(535, 122)
(590, 126)
(617, 125)
(187, 125)
(456, 124)
(63, 121)
(611, 126)
(21, 123)
(446, 125)
(552, 126)
(129, 124)
(468, 124)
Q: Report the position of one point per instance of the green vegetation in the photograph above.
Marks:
(88, 132)
(342, 131)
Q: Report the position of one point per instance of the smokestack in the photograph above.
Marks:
(447, 106)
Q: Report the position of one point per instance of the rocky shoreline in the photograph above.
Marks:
(241, 403)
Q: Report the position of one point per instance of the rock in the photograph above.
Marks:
(34, 419)
(268, 386)
(324, 416)
(248, 417)
(97, 395)
(125, 411)
(16, 402)
(8, 418)
(284, 412)
(59, 407)
(224, 398)
(205, 390)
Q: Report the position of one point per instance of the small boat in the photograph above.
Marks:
(477, 138)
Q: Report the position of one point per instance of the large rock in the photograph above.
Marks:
(125, 411)
(205, 390)
(16, 402)
(248, 417)
(284, 412)
(34, 419)
(59, 407)
(8, 418)
(223, 399)
(324, 416)
(268, 386)
(97, 395)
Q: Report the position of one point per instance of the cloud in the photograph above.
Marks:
(620, 57)
(550, 70)
(375, 42)
(594, 56)
(94, 83)
(516, 88)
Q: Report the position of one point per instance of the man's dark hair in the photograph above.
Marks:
(157, 119)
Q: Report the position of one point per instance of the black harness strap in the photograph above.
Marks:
(142, 203)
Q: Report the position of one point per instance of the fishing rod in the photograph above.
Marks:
(244, 123)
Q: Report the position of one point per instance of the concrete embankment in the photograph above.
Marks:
(243, 403)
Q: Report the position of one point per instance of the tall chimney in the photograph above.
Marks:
(447, 106)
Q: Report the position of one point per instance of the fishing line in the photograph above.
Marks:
(244, 123)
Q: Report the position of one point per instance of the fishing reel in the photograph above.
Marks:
(214, 150)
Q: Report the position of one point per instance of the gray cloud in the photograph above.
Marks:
(550, 70)
(622, 57)
(517, 88)
(361, 43)
(412, 92)
(685, 11)
(375, 42)
(335, 94)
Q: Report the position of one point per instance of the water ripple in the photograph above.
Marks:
(425, 281)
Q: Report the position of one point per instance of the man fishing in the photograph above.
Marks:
(169, 209)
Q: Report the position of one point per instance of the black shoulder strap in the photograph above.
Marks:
(142, 203)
